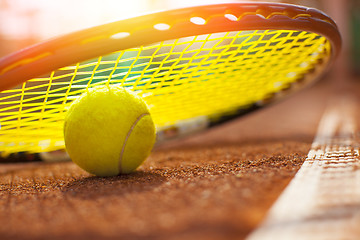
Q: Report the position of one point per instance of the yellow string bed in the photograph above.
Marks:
(206, 75)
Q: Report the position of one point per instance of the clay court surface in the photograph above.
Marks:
(215, 185)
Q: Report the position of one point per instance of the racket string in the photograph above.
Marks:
(207, 75)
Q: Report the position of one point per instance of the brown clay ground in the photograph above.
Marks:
(216, 185)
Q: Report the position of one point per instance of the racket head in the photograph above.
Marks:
(195, 67)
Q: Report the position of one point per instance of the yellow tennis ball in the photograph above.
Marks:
(108, 131)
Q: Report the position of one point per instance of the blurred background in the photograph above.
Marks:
(26, 22)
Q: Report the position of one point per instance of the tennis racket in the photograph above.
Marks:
(195, 67)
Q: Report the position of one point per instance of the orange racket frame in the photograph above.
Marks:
(53, 54)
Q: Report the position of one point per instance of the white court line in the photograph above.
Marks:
(323, 199)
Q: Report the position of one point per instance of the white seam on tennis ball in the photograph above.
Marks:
(127, 137)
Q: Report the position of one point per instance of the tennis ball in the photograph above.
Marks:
(108, 131)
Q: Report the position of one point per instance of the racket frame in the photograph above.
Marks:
(79, 46)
